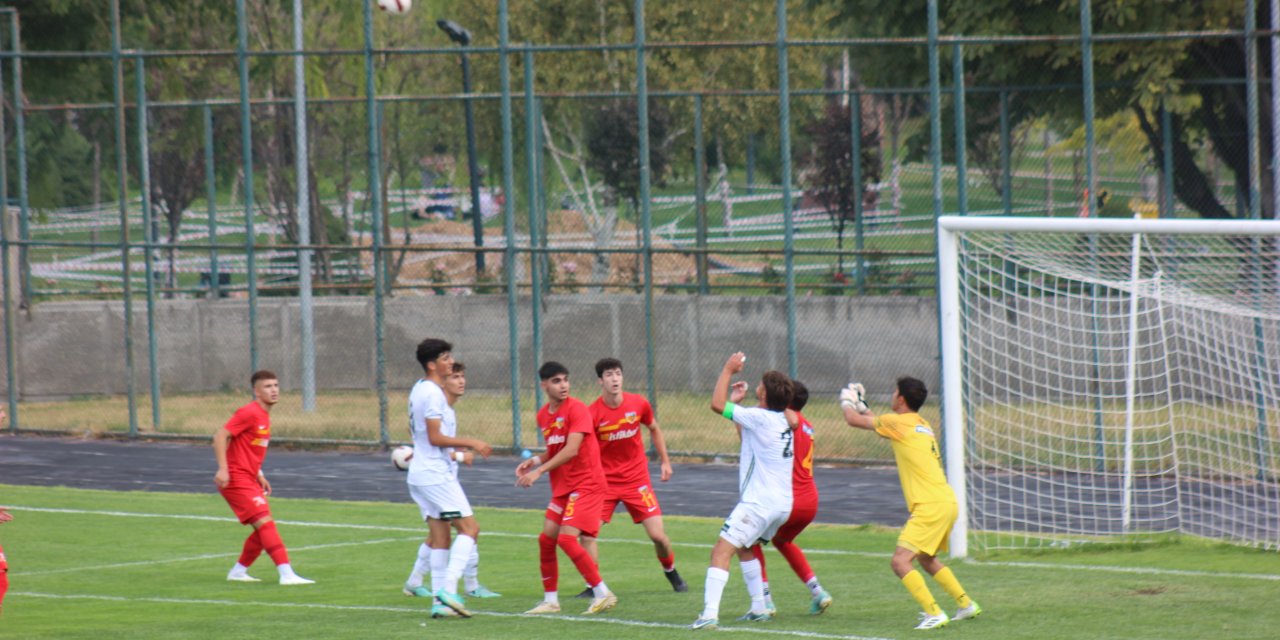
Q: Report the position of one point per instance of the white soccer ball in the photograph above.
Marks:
(400, 457)
(397, 7)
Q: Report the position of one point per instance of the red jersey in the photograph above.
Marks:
(583, 472)
(622, 451)
(250, 428)
(802, 484)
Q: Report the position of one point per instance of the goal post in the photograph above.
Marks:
(1106, 379)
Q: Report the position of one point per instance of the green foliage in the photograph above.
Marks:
(60, 166)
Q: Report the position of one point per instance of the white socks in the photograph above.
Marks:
(716, 580)
(753, 576)
(459, 556)
(421, 567)
(601, 590)
(439, 566)
(471, 575)
(814, 587)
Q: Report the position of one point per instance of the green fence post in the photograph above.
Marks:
(20, 139)
(962, 167)
(11, 379)
(536, 259)
(646, 219)
(122, 168)
(509, 220)
(859, 230)
(375, 207)
(1006, 156)
(1166, 164)
(788, 223)
(935, 109)
(148, 232)
(700, 196)
(211, 195)
(1090, 144)
(246, 151)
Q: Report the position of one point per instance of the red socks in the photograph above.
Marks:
(270, 540)
(795, 557)
(668, 562)
(547, 560)
(581, 559)
(252, 549)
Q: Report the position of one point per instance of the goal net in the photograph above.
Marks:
(1110, 379)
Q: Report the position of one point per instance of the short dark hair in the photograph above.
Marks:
(551, 369)
(799, 396)
(777, 390)
(606, 364)
(458, 367)
(913, 392)
(261, 374)
(430, 349)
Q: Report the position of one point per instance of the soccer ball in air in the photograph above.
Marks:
(397, 7)
(400, 457)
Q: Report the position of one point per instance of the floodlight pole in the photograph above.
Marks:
(462, 37)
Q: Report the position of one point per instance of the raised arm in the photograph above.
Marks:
(853, 403)
(720, 394)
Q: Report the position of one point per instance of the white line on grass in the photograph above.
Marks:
(209, 556)
(692, 545)
(419, 611)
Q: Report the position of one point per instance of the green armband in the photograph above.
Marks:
(728, 410)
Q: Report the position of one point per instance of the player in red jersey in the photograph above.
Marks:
(804, 507)
(240, 446)
(617, 417)
(577, 489)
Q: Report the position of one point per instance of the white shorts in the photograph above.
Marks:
(751, 523)
(441, 501)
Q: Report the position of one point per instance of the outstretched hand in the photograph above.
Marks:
(735, 362)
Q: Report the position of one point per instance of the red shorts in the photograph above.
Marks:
(803, 511)
(640, 501)
(580, 510)
(248, 502)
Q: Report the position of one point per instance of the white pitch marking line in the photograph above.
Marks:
(692, 545)
(420, 611)
(210, 556)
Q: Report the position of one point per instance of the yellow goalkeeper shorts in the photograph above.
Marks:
(927, 529)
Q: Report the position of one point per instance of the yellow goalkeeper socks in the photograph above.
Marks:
(952, 586)
(914, 582)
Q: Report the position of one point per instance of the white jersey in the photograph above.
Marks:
(766, 458)
(431, 464)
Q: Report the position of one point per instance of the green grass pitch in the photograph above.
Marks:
(95, 564)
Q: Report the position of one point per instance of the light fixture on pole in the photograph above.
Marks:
(462, 37)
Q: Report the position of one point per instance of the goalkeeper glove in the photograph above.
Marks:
(854, 397)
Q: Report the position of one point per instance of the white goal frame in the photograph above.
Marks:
(949, 315)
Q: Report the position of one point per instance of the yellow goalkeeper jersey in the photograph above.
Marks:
(915, 449)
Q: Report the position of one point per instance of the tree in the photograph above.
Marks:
(828, 166)
(1183, 76)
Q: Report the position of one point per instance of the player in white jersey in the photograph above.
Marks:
(433, 476)
(764, 485)
(455, 386)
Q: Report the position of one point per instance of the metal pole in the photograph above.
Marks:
(149, 232)
(700, 196)
(788, 223)
(962, 168)
(859, 237)
(473, 166)
(304, 213)
(1166, 152)
(1251, 106)
(20, 138)
(1006, 159)
(246, 150)
(509, 221)
(1275, 108)
(11, 380)
(375, 207)
(1090, 151)
(122, 178)
(211, 195)
(935, 109)
(535, 258)
(646, 220)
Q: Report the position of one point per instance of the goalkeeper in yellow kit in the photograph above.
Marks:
(930, 499)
